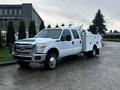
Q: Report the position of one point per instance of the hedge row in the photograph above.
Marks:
(112, 36)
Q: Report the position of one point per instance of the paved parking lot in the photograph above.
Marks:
(73, 73)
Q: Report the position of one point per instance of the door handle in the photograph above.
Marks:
(72, 42)
(80, 41)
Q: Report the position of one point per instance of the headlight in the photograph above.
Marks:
(39, 48)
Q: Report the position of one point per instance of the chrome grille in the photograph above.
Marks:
(23, 49)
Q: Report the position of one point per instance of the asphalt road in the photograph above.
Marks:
(73, 73)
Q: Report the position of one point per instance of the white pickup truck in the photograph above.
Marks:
(49, 45)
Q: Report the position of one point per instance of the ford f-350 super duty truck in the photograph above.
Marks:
(49, 45)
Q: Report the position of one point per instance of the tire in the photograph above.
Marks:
(51, 61)
(92, 53)
(98, 51)
(23, 64)
(88, 54)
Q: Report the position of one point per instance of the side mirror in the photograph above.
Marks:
(68, 38)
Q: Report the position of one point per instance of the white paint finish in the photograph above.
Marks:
(77, 43)
(89, 40)
(66, 48)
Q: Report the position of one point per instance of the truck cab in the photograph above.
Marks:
(49, 45)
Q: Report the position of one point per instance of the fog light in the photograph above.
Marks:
(37, 57)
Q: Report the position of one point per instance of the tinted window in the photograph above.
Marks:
(65, 33)
(75, 34)
(1, 12)
(6, 11)
(15, 11)
(10, 11)
(20, 12)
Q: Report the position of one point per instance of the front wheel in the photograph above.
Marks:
(51, 61)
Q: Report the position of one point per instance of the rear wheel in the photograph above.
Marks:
(51, 61)
(23, 63)
(92, 53)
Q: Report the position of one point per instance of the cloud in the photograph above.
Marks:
(75, 11)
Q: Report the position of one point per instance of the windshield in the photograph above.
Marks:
(49, 33)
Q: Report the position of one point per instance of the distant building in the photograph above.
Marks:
(16, 13)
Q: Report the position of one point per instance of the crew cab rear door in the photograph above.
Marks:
(76, 41)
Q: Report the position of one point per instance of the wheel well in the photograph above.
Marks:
(53, 50)
(97, 49)
(95, 46)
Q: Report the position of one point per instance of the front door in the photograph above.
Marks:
(67, 47)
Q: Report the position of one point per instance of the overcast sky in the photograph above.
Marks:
(77, 12)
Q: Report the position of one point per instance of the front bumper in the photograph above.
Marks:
(37, 58)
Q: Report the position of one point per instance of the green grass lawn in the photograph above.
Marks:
(4, 55)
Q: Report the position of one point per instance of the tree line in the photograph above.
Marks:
(97, 26)
(10, 35)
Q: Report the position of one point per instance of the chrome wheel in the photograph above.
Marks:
(52, 62)
(94, 52)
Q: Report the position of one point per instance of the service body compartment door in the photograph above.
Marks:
(89, 40)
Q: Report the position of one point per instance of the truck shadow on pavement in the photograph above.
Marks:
(75, 61)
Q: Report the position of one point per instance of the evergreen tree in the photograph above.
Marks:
(63, 25)
(110, 31)
(116, 31)
(49, 26)
(93, 29)
(70, 25)
(99, 22)
(22, 33)
(32, 29)
(57, 26)
(42, 26)
(0, 39)
(10, 36)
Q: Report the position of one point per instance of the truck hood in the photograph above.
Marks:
(34, 41)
